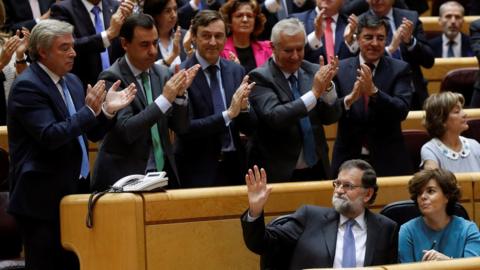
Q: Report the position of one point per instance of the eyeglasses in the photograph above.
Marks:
(344, 185)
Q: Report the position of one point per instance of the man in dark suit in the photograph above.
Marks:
(21, 13)
(188, 9)
(49, 121)
(408, 43)
(97, 24)
(475, 43)
(210, 152)
(293, 99)
(452, 42)
(349, 235)
(374, 102)
(325, 27)
(131, 147)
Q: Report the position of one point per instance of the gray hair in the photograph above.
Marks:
(449, 4)
(289, 27)
(44, 33)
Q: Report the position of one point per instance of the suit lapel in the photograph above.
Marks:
(227, 82)
(329, 230)
(129, 78)
(155, 83)
(52, 89)
(279, 80)
(304, 82)
(382, 72)
(373, 231)
(84, 14)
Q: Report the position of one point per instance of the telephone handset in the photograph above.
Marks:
(139, 182)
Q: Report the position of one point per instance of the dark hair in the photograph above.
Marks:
(136, 20)
(372, 21)
(369, 177)
(154, 7)
(233, 5)
(445, 179)
(204, 18)
(437, 108)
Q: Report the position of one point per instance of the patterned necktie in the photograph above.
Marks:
(329, 44)
(84, 170)
(156, 142)
(309, 152)
(349, 256)
(450, 44)
(218, 103)
(99, 29)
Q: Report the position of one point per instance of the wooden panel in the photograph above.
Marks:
(430, 23)
(457, 264)
(216, 244)
(441, 67)
(117, 240)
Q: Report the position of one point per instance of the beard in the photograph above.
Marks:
(345, 206)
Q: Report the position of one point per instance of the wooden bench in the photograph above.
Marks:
(441, 67)
(197, 228)
(430, 23)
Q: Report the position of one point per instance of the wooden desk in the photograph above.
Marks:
(195, 228)
(430, 23)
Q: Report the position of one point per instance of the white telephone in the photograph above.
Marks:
(139, 182)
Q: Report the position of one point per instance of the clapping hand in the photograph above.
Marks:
(350, 29)
(95, 96)
(433, 255)
(117, 100)
(240, 98)
(258, 191)
(324, 76)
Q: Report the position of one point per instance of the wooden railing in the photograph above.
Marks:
(199, 228)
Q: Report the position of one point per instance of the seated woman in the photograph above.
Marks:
(164, 12)
(445, 120)
(438, 234)
(246, 22)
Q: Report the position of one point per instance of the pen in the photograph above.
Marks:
(433, 244)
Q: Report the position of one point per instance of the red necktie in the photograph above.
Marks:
(329, 46)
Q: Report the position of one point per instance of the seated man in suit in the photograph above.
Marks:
(293, 99)
(374, 102)
(49, 121)
(347, 235)
(325, 27)
(475, 43)
(97, 24)
(452, 42)
(140, 140)
(209, 152)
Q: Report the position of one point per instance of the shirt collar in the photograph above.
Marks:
(360, 219)
(362, 61)
(55, 78)
(136, 72)
(334, 17)
(89, 5)
(457, 39)
(204, 63)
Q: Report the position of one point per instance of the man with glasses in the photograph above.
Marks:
(347, 235)
(375, 101)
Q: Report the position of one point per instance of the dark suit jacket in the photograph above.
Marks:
(19, 13)
(278, 140)
(88, 44)
(358, 7)
(311, 235)
(126, 149)
(311, 54)
(44, 150)
(199, 148)
(437, 46)
(420, 55)
(475, 43)
(186, 12)
(380, 126)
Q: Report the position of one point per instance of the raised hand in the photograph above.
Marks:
(176, 47)
(258, 191)
(366, 82)
(233, 57)
(117, 100)
(95, 96)
(407, 30)
(354, 95)
(118, 18)
(324, 76)
(318, 22)
(191, 73)
(240, 98)
(396, 40)
(8, 49)
(350, 29)
(22, 47)
(187, 42)
(175, 86)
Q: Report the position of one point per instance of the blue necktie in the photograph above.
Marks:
(308, 139)
(218, 104)
(450, 48)
(396, 54)
(349, 256)
(99, 29)
(71, 110)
